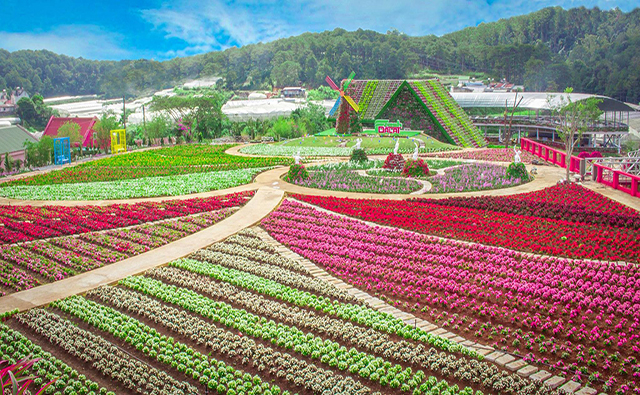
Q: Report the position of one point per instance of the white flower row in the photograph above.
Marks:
(134, 188)
(256, 249)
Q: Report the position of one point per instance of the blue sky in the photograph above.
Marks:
(118, 29)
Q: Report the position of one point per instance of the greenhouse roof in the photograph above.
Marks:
(532, 100)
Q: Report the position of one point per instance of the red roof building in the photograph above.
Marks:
(86, 128)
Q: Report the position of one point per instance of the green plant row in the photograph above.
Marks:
(360, 315)
(228, 343)
(326, 351)
(216, 375)
(103, 356)
(15, 346)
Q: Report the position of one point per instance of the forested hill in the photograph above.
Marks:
(592, 50)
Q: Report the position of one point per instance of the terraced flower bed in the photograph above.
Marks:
(30, 264)
(25, 223)
(575, 318)
(237, 318)
(163, 162)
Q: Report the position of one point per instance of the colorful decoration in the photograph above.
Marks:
(385, 126)
(118, 141)
(61, 150)
(342, 94)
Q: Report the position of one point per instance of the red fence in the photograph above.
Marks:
(551, 155)
(602, 174)
(611, 177)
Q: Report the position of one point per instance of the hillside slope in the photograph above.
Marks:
(592, 50)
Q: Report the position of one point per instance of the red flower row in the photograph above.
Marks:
(24, 223)
(570, 202)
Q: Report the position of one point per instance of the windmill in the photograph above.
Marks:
(349, 100)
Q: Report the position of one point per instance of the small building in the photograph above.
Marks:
(86, 128)
(294, 92)
(12, 139)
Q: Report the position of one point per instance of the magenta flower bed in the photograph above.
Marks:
(46, 268)
(14, 278)
(560, 313)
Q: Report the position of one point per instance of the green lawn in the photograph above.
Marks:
(367, 142)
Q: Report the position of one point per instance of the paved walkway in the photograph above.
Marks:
(265, 200)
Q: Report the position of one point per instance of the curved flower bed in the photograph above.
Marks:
(490, 154)
(350, 181)
(517, 232)
(569, 202)
(136, 188)
(473, 177)
(30, 264)
(578, 318)
(24, 223)
(163, 162)
(289, 151)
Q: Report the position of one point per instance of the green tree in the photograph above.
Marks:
(8, 163)
(72, 130)
(286, 74)
(574, 118)
(103, 129)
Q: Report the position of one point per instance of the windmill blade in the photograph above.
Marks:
(351, 76)
(334, 108)
(332, 84)
(353, 104)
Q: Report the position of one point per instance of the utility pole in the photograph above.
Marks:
(124, 113)
(144, 120)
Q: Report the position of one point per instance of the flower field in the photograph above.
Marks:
(163, 162)
(29, 264)
(317, 151)
(238, 318)
(575, 318)
(517, 232)
(473, 177)
(344, 177)
(569, 202)
(25, 223)
(491, 154)
(135, 188)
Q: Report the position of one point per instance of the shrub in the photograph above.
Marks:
(296, 173)
(592, 154)
(415, 168)
(359, 155)
(394, 162)
(517, 170)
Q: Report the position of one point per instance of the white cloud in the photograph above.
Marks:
(205, 25)
(210, 25)
(87, 41)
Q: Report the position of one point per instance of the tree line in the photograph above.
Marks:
(592, 50)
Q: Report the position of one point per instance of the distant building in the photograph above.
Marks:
(293, 92)
(9, 100)
(86, 128)
(12, 139)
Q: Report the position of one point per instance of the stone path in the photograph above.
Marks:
(265, 200)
